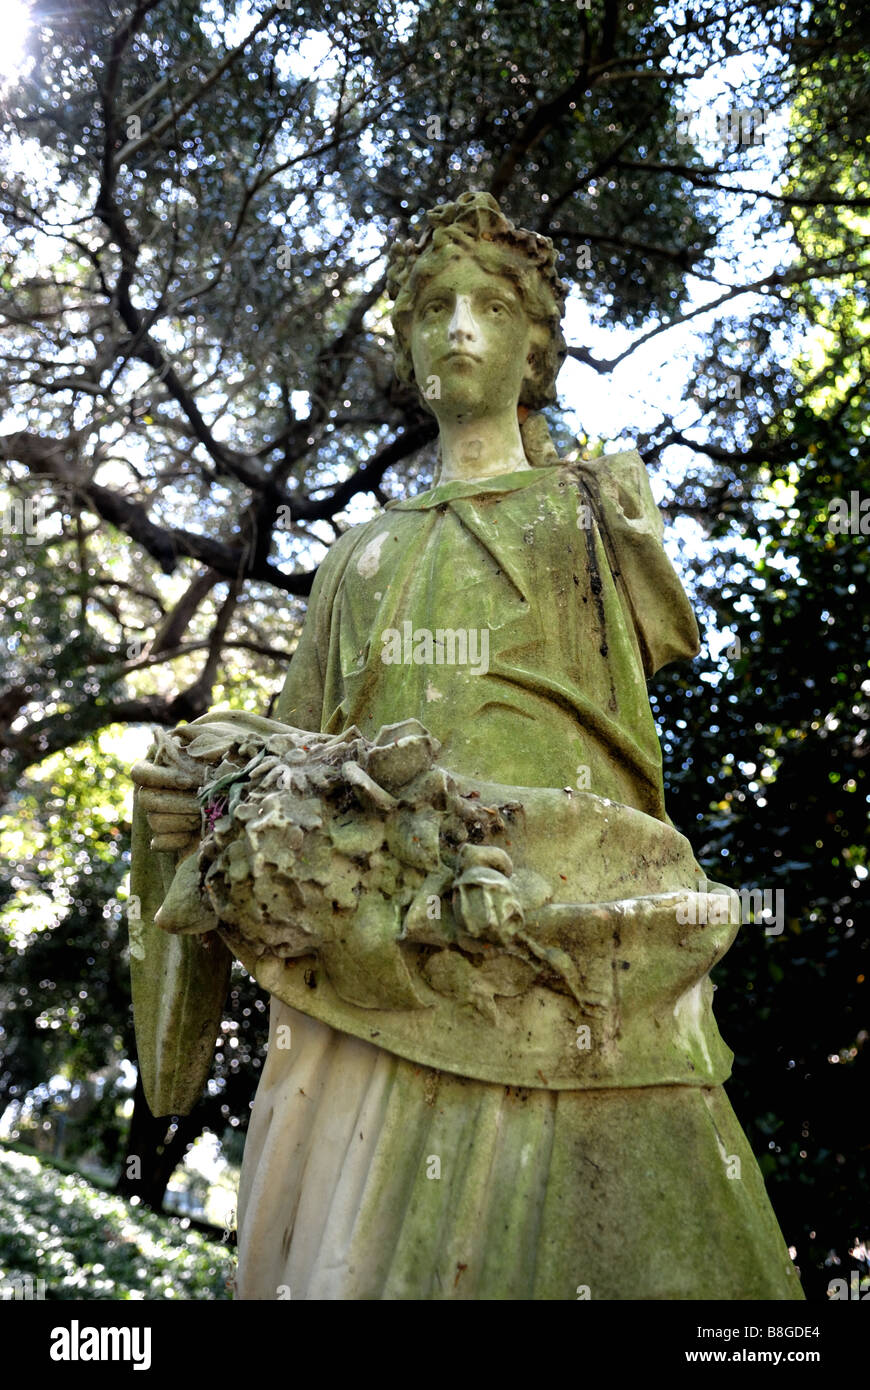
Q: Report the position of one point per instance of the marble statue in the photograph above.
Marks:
(493, 1070)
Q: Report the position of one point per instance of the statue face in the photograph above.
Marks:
(469, 342)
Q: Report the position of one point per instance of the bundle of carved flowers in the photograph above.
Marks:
(302, 832)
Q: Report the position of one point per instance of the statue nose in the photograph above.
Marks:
(462, 326)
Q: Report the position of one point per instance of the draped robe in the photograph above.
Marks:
(367, 1176)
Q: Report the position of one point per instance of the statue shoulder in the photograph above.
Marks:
(621, 481)
(342, 550)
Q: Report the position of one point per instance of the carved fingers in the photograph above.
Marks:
(168, 796)
(150, 774)
(169, 801)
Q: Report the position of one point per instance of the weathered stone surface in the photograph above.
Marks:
(179, 985)
(539, 1194)
(449, 860)
(417, 910)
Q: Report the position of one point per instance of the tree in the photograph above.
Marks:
(196, 214)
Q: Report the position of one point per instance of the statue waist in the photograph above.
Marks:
(636, 1010)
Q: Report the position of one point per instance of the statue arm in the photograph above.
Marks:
(301, 700)
(180, 975)
(179, 983)
(648, 583)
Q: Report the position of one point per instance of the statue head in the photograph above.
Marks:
(473, 233)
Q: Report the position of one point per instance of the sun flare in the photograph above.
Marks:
(13, 49)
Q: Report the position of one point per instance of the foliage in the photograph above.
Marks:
(778, 740)
(766, 750)
(64, 975)
(196, 210)
(87, 1244)
(64, 984)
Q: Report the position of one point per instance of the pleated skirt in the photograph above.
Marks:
(368, 1177)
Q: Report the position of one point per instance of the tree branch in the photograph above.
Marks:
(134, 146)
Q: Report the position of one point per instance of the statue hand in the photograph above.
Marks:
(168, 795)
(483, 900)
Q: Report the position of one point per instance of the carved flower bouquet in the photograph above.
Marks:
(335, 845)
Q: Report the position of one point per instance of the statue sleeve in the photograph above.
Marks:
(179, 985)
(633, 528)
(301, 700)
(180, 982)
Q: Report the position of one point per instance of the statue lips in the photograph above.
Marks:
(460, 356)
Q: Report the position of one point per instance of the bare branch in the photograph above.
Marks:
(133, 147)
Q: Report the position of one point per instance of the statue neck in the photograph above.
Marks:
(481, 448)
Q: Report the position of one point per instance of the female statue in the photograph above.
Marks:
(493, 1069)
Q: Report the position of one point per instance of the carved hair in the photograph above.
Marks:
(475, 224)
